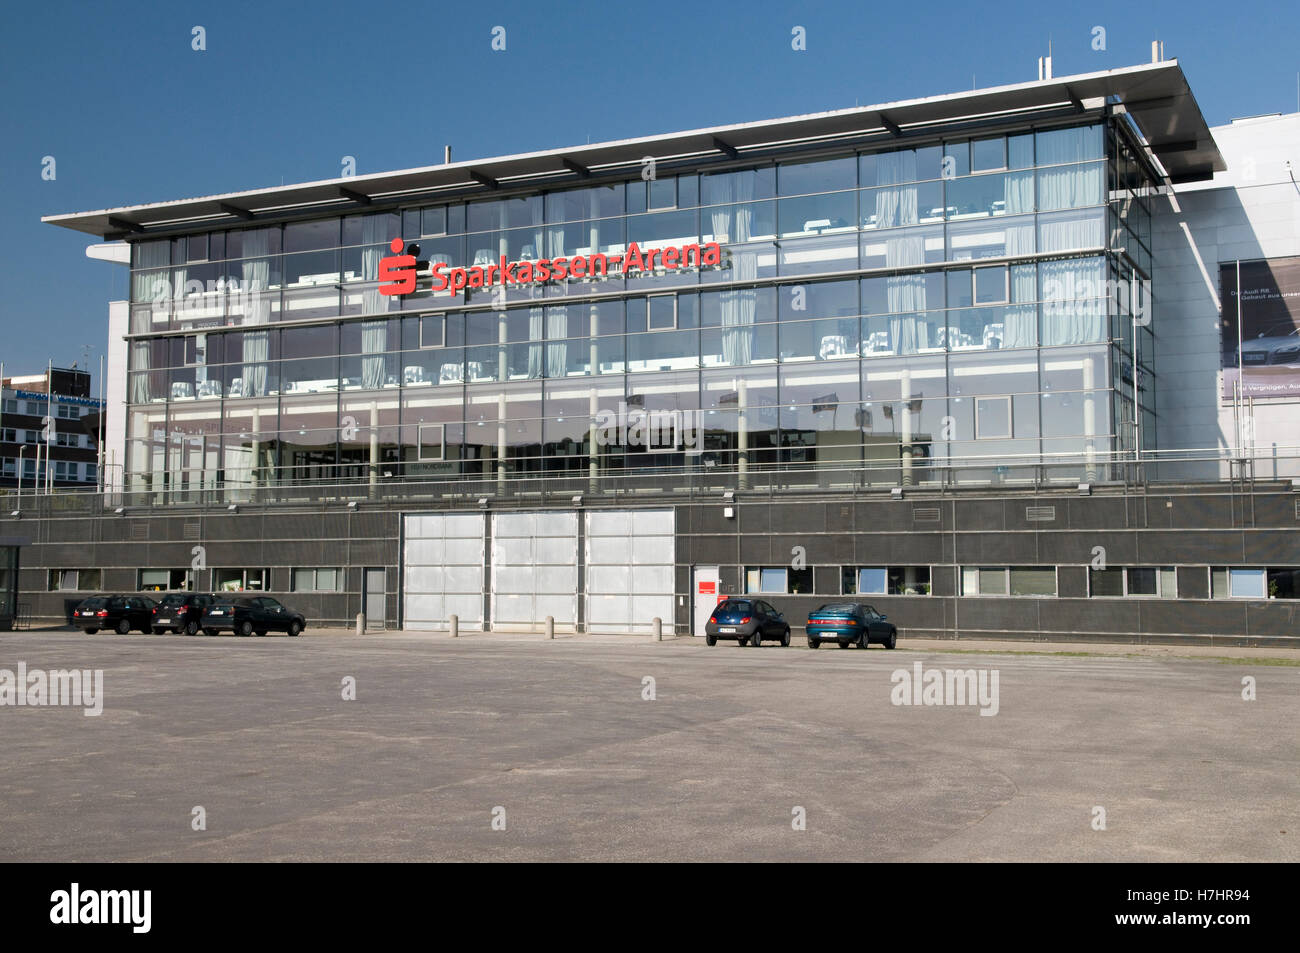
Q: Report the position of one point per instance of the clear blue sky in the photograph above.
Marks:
(133, 115)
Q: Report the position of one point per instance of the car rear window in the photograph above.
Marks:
(735, 607)
(172, 600)
(94, 603)
(837, 607)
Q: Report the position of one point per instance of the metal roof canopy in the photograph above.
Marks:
(1155, 95)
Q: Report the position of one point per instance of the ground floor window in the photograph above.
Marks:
(1250, 582)
(885, 580)
(1008, 580)
(73, 580)
(1151, 581)
(238, 580)
(778, 579)
(165, 580)
(318, 580)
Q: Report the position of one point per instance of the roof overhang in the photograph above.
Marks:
(1156, 96)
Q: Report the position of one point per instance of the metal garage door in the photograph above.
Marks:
(630, 556)
(534, 570)
(442, 562)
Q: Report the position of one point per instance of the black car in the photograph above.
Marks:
(245, 615)
(747, 621)
(119, 613)
(181, 612)
(849, 623)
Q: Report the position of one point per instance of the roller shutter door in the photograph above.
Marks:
(629, 558)
(442, 566)
(534, 571)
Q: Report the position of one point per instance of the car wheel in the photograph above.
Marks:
(245, 629)
(785, 638)
(124, 627)
(865, 641)
(209, 631)
(893, 639)
(755, 640)
(91, 631)
(191, 628)
(845, 645)
(710, 640)
(814, 644)
(294, 627)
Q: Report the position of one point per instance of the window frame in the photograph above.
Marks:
(244, 579)
(1006, 592)
(339, 584)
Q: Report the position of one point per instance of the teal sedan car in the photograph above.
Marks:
(850, 623)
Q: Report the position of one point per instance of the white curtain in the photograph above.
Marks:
(738, 306)
(374, 341)
(151, 255)
(1072, 314)
(1020, 324)
(257, 277)
(1070, 231)
(896, 206)
(374, 334)
(557, 348)
(908, 332)
(1069, 186)
(375, 239)
(1018, 192)
(536, 334)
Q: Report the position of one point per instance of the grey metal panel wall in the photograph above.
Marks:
(1202, 526)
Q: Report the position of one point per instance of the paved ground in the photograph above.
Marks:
(558, 734)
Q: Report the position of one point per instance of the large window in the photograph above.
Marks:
(885, 580)
(240, 580)
(1246, 582)
(318, 580)
(73, 580)
(1008, 581)
(1142, 581)
(777, 579)
(165, 580)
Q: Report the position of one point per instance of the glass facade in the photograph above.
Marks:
(970, 310)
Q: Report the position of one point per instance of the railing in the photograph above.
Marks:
(511, 486)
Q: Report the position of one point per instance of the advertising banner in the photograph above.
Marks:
(1269, 299)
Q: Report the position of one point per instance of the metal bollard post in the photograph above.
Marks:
(454, 625)
(550, 627)
(361, 623)
(658, 626)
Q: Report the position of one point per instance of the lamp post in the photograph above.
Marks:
(21, 450)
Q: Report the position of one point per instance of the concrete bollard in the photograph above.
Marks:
(361, 623)
(550, 626)
(658, 626)
(454, 626)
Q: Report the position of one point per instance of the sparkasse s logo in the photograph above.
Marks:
(398, 270)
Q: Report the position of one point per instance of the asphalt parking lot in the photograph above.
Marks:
(561, 744)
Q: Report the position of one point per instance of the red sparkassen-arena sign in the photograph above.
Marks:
(398, 273)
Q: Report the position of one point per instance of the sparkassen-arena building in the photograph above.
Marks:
(922, 355)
